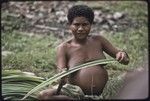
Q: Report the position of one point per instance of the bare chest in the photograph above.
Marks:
(79, 55)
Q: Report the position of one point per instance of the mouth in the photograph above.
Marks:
(81, 35)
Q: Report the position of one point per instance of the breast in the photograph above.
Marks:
(91, 80)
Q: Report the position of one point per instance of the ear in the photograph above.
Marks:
(68, 25)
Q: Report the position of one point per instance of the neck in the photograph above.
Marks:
(83, 41)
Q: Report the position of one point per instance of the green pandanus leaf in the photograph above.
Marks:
(65, 73)
(15, 84)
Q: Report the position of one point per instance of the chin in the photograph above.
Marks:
(81, 38)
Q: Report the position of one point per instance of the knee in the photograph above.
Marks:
(41, 95)
(46, 94)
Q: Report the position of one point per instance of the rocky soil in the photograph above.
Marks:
(50, 17)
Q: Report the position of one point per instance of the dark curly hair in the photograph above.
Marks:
(80, 10)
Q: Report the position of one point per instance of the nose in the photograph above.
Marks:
(80, 28)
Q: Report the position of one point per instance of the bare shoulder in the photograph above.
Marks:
(64, 45)
(97, 37)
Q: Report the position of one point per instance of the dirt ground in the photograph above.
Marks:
(51, 17)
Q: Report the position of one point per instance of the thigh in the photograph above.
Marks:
(60, 97)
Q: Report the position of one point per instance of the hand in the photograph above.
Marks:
(122, 57)
(63, 80)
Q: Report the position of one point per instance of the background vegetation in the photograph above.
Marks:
(36, 52)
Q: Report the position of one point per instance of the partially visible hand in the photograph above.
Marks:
(63, 80)
(120, 56)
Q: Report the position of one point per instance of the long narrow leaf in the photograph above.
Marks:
(64, 73)
(15, 84)
(20, 77)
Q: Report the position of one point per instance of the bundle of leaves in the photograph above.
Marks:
(15, 84)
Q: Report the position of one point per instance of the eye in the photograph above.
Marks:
(85, 24)
(76, 24)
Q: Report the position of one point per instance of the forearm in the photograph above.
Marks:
(108, 47)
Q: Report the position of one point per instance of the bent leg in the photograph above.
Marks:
(50, 94)
(46, 94)
(60, 97)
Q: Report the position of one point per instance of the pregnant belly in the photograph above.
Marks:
(91, 80)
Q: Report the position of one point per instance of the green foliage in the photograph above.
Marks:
(34, 54)
(112, 87)
(134, 42)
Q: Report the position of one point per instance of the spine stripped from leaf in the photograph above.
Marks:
(64, 73)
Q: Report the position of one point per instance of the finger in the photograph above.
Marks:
(117, 56)
(122, 57)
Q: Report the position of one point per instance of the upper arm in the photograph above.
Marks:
(108, 47)
(61, 60)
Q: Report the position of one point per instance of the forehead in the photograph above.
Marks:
(80, 20)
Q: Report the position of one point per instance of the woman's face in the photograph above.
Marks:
(80, 27)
